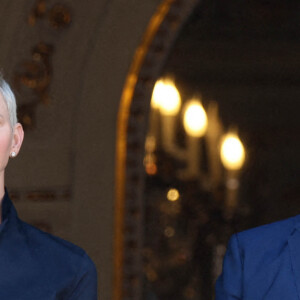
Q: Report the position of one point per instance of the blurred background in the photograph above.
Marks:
(153, 131)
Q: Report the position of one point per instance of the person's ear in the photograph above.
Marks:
(18, 136)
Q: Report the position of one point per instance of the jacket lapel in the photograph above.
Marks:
(294, 245)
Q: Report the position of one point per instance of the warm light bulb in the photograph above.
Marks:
(232, 152)
(173, 195)
(166, 97)
(195, 119)
(157, 92)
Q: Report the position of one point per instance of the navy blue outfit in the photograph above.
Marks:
(262, 263)
(35, 265)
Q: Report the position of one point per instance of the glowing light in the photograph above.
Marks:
(169, 231)
(150, 144)
(151, 169)
(195, 119)
(157, 92)
(166, 97)
(232, 152)
(173, 195)
(150, 164)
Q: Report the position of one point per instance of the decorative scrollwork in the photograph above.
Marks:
(59, 16)
(32, 78)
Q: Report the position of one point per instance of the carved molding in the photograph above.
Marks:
(51, 194)
(134, 109)
(32, 77)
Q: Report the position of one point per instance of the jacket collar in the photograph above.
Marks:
(8, 210)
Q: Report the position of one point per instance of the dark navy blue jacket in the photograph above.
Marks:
(35, 265)
(262, 263)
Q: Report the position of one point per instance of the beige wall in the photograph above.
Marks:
(73, 144)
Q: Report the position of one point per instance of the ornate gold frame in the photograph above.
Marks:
(132, 123)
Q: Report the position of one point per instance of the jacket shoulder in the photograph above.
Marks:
(263, 244)
(252, 260)
(45, 239)
(268, 233)
(52, 249)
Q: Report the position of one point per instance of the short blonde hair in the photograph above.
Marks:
(10, 100)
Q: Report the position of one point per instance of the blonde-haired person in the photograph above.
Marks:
(34, 265)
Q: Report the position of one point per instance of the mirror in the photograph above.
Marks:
(239, 64)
